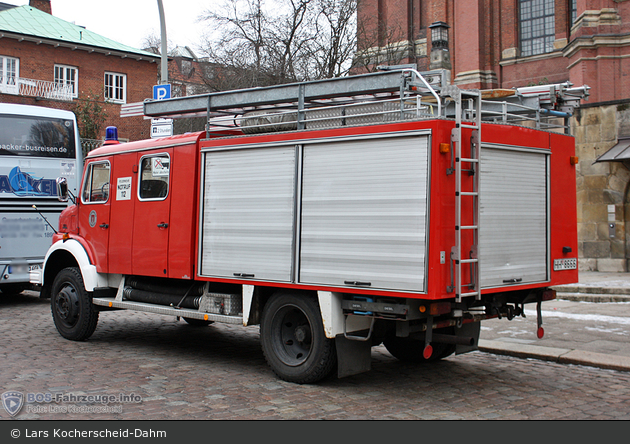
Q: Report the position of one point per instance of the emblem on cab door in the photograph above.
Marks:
(92, 219)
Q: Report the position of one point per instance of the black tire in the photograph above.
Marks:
(197, 322)
(73, 312)
(293, 340)
(411, 350)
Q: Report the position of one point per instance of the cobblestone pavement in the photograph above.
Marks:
(593, 327)
(219, 373)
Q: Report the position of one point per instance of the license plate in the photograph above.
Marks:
(564, 264)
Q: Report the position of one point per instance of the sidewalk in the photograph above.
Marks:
(592, 287)
(597, 287)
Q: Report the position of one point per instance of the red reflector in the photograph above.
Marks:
(428, 351)
(548, 295)
(540, 333)
(439, 308)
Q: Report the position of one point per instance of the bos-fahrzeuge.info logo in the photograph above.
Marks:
(12, 402)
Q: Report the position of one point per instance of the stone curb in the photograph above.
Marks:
(592, 297)
(597, 289)
(559, 355)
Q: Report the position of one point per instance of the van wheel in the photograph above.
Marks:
(73, 312)
(197, 322)
(411, 350)
(293, 340)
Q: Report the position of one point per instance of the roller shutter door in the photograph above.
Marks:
(513, 229)
(364, 213)
(248, 213)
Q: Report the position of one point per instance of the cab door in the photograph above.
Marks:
(123, 200)
(94, 212)
(151, 221)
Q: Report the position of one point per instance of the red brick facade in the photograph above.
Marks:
(484, 42)
(37, 61)
(486, 51)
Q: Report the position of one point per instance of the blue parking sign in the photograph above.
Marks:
(161, 92)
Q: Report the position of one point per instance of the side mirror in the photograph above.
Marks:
(62, 189)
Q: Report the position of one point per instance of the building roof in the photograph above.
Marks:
(618, 153)
(29, 23)
(183, 51)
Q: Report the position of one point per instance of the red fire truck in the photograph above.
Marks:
(387, 208)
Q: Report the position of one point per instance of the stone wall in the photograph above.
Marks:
(602, 188)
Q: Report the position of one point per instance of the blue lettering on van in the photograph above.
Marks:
(23, 184)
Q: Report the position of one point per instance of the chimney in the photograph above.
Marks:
(42, 5)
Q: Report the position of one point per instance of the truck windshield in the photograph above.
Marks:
(36, 136)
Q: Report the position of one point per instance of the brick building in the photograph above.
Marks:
(515, 43)
(49, 62)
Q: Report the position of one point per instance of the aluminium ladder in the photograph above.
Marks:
(469, 117)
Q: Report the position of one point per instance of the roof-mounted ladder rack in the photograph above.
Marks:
(397, 93)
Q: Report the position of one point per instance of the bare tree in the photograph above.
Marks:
(242, 40)
(259, 44)
(288, 40)
(336, 37)
(152, 43)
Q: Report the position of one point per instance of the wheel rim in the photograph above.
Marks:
(67, 305)
(292, 335)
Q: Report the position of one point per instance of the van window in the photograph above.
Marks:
(154, 175)
(96, 185)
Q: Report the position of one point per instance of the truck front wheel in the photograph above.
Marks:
(293, 340)
(73, 312)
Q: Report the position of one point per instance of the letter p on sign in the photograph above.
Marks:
(161, 92)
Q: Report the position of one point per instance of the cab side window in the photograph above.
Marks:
(154, 175)
(96, 185)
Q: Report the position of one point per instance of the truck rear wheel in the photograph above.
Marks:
(73, 312)
(293, 340)
(412, 350)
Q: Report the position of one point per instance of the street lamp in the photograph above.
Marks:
(439, 35)
(164, 43)
(440, 56)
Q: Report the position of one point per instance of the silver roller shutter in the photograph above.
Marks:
(364, 213)
(513, 228)
(248, 213)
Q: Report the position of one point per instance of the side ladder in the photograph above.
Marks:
(467, 115)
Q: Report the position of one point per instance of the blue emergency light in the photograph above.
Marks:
(111, 134)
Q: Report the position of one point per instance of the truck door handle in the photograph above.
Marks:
(358, 283)
(103, 226)
(162, 225)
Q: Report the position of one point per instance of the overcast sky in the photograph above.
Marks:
(130, 21)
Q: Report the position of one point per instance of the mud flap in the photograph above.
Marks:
(470, 330)
(353, 357)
